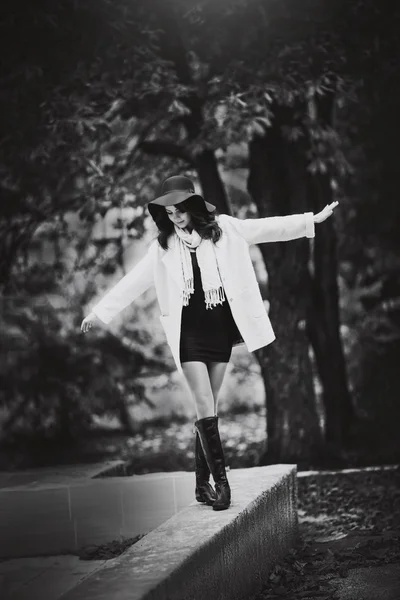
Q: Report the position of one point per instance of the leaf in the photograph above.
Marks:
(280, 590)
(299, 566)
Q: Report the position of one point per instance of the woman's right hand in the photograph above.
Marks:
(88, 322)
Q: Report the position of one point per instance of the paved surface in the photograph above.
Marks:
(51, 521)
(372, 583)
(201, 554)
(43, 578)
(48, 578)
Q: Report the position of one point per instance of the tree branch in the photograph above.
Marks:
(167, 148)
(142, 136)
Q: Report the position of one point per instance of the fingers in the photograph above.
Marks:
(86, 325)
(326, 212)
(330, 207)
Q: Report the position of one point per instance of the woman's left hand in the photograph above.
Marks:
(325, 212)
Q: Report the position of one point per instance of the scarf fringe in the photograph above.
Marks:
(188, 291)
(214, 297)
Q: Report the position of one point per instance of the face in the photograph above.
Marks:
(178, 217)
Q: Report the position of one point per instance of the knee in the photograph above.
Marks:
(204, 405)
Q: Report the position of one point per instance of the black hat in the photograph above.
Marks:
(175, 190)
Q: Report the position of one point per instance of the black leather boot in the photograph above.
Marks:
(204, 491)
(213, 452)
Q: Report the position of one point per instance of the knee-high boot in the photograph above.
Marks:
(204, 491)
(211, 443)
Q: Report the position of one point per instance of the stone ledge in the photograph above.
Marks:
(201, 554)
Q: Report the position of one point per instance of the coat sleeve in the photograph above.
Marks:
(274, 229)
(133, 284)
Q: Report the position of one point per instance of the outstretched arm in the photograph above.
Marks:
(280, 229)
(132, 285)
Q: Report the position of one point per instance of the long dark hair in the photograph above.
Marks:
(201, 220)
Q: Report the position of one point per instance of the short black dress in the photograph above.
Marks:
(207, 335)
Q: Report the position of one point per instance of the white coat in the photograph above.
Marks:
(159, 267)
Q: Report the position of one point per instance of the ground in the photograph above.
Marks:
(349, 538)
(349, 521)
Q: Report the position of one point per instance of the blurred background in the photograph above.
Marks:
(273, 108)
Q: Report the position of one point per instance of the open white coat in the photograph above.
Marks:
(161, 268)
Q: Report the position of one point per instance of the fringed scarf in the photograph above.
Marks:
(210, 277)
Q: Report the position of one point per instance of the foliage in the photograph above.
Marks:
(59, 106)
(370, 300)
(109, 550)
(54, 381)
(368, 242)
(170, 79)
(70, 153)
(140, 74)
(133, 90)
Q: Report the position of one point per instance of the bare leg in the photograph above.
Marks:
(216, 373)
(198, 379)
(196, 375)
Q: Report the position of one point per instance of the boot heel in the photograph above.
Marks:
(206, 495)
(223, 500)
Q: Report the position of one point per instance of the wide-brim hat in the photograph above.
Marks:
(175, 190)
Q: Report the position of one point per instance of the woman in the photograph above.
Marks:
(209, 300)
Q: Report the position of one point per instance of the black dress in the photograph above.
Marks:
(207, 335)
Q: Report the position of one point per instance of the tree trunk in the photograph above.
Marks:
(211, 183)
(125, 417)
(293, 427)
(323, 326)
(323, 318)
(175, 50)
